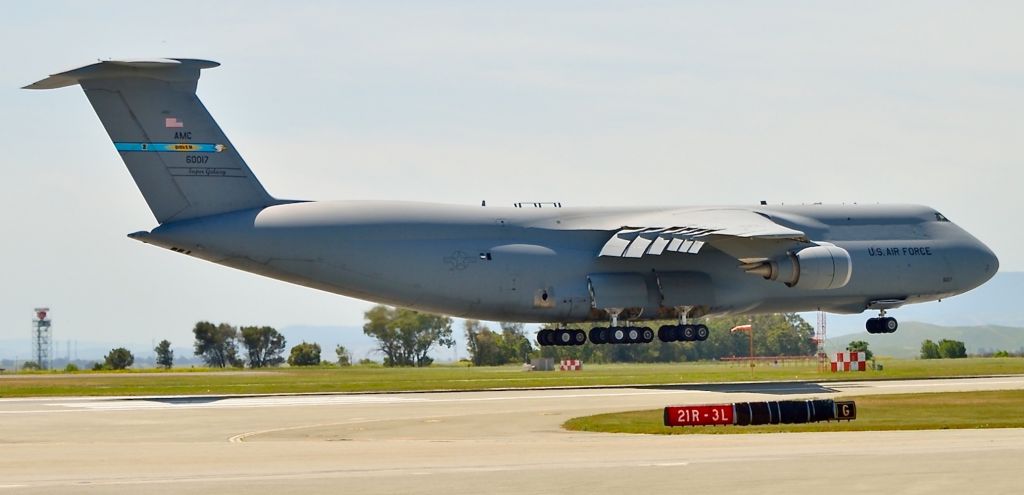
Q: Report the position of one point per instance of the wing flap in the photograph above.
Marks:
(687, 232)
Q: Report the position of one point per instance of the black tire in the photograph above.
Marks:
(647, 335)
(616, 335)
(564, 337)
(890, 325)
(676, 333)
(689, 333)
(871, 325)
(597, 335)
(579, 337)
(702, 333)
(633, 335)
(665, 333)
(544, 337)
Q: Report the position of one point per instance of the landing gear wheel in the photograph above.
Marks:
(665, 333)
(598, 335)
(676, 333)
(632, 335)
(702, 333)
(890, 325)
(689, 333)
(579, 337)
(617, 335)
(544, 337)
(647, 335)
(882, 324)
(872, 325)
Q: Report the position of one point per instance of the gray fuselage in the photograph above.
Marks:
(533, 264)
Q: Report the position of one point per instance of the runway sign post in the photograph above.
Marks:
(846, 410)
(761, 413)
(718, 414)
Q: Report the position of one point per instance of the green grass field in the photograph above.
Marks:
(929, 411)
(376, 379)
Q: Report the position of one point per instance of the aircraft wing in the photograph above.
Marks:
(742, 233)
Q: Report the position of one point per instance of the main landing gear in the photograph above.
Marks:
(683, 333)
(598, 335)
(561, 337)
(882, 324)
(621, 335)
(616, 334)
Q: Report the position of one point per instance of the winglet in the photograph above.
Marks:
(167, 69)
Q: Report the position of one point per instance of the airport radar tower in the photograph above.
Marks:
(42, 342)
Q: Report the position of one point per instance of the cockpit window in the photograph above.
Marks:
(940, 217)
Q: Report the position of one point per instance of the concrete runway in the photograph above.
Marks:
(481, 442)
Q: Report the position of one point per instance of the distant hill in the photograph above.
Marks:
(906, 342)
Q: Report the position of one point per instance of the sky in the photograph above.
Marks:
(587, 103)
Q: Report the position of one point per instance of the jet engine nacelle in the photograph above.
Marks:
(814, 268)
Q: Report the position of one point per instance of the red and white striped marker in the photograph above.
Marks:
(571, 365)
(850, 361)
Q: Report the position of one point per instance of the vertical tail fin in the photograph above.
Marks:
(180, 159)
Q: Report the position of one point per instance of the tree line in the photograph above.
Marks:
(218, 346)
(489, 348)
(944, 349)
(406, 337)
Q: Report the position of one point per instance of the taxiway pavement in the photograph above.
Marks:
(482, 442)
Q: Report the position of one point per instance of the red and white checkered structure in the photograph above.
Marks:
(571, 365)
(850, 361)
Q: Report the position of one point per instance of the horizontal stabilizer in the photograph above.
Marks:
(165, 69)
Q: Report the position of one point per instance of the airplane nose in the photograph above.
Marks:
(979, 264)
(989, 260)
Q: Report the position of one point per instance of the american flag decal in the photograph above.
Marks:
(170, 122)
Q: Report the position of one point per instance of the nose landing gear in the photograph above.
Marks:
(882, 324)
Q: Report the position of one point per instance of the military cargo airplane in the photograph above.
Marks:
(529, 262)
